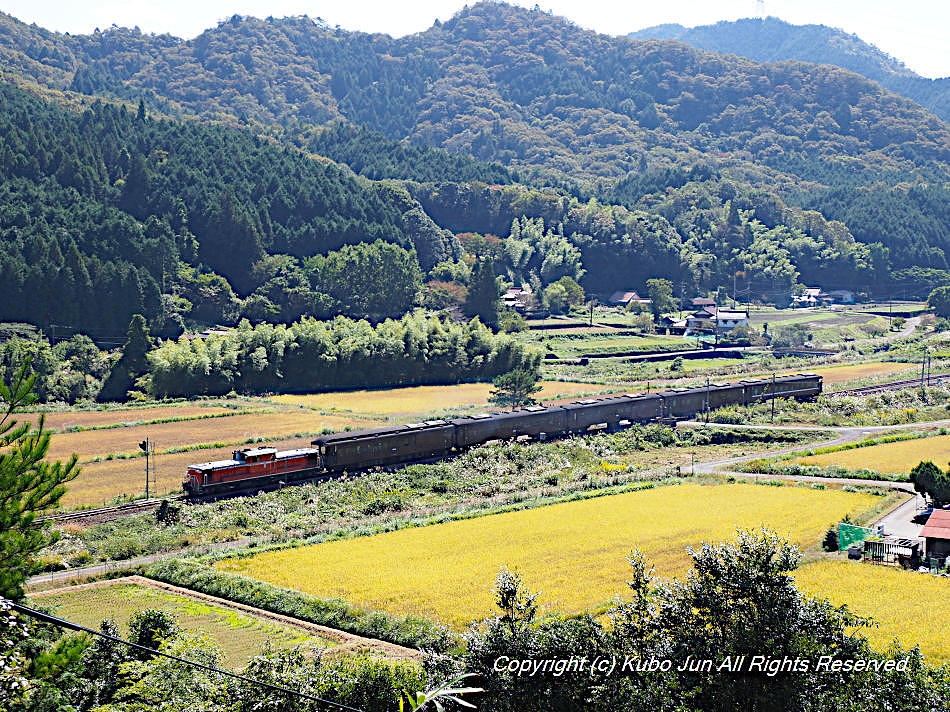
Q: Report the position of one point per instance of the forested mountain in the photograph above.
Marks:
(503, 83)
(773, 40)
(109, 213)
(569, 154)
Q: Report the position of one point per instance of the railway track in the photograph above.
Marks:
(108, 512)
(119, 510)
(932, 380)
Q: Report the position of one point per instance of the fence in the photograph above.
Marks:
(849, 534)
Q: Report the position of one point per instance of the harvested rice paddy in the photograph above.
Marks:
(446, 571)
(119, 417)
(101, 481)
(834, 375)
(236, 429)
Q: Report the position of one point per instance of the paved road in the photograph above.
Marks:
(909, 327)
(897, 522)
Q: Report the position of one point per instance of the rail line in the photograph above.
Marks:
(117, 509)
(935, 379)
(136, 507)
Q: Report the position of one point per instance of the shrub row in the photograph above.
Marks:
(410, 631)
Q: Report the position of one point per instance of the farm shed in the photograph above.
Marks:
(936, 534)
(892, 550)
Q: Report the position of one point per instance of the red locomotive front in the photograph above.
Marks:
(251, 467)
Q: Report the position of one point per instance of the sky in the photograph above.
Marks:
(913, 31)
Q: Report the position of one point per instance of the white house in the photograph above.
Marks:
(812, 297)
(729, 319)
(841, 296)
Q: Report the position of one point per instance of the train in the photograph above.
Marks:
(352, 451)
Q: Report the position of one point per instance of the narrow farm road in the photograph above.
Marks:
(843, 435)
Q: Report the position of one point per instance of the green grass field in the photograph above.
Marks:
(572, 552)
(240, 635)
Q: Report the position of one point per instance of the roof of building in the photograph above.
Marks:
(731, 315)
(621, 297)
(702, 302)
(938, 525)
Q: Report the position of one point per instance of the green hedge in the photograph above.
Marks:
(410, 631)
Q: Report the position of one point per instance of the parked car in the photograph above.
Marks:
(922, 517)
(856, 551)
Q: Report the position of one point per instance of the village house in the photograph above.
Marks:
(701, 320)
(703, 303)
(936, 535)
(841, 296)
(625, 298)
(729, 319)
(517, 298)
(712, 319)
(812, 297)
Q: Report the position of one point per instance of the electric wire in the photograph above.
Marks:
(62, 623)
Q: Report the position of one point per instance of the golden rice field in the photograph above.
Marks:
(101, 481)
(419, 401)
(573, 552)
(909, 606)
(892, 458)
(240, 635)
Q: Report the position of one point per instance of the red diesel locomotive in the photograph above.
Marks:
(260, 464)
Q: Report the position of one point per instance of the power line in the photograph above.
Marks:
(62, 623)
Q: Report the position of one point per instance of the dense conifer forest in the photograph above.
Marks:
(277, 169)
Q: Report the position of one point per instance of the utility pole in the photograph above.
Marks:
(707, 400)
(773, 399)
(148, 447)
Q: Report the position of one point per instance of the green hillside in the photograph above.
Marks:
(773, 40)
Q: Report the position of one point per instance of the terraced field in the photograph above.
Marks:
(835, 375)
(235, 429)
(77, 419)
(909, 606)
(240, 635)
(446, 571)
